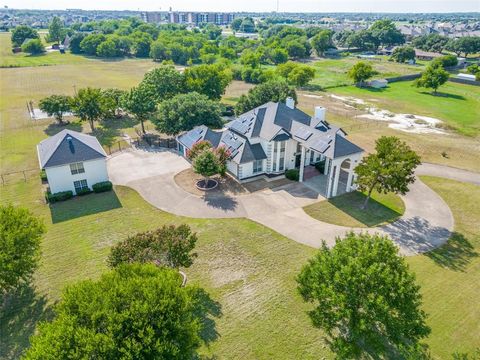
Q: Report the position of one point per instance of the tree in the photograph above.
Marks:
(56, 105)
(322, 42)
(364, 297)
(165, 82)
(390, 169)
(136, 311)
(75, 41)
(360, 72)
(301, 75)
(141, 44)
(207, 161)
(212, 31)
(107, 49)
(20, 235)
(185, 111)
(141, 102)
(403, 53)
(385, 33)
(22, 33)
(279, 56)
(274, 90)
(33, 47)
(466, 44)
(90, 43)
(432, 78)
(167, 246)
(247, 25)
(236, 23)
(210, 80)
(113, 100)
(296, 49)
(88, 105)
(56, 31)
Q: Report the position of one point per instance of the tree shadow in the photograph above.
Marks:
(313, 87)
(444, 95)
(85, 205)
(120, 122)
(220, 200)
(105, 135)
(456, 254)
(19, 315)
(207, 310)
(54, 128)
(375, 214)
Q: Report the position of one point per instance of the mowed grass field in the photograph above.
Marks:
(458, 105)
(245, 267)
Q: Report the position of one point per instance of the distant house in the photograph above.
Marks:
(378, 83)
(275, 137)
(72, 161)
(426, 55)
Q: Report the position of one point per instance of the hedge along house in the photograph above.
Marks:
(275, 137)
(72, 161)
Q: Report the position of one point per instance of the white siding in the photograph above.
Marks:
(245, 170)
(232, 168)
(60, 178)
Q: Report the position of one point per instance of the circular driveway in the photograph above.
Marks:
(426, 224)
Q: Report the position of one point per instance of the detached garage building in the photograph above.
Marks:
(72, 161)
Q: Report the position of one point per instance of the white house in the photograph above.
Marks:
(72, 161)
(274, 137)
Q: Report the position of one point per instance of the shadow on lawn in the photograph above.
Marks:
(444, 95)
(456, 254)
(207, 310)
(54, 128)
(84, 205)
(21, 312)
(374, 215)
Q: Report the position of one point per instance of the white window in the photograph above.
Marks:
(77, 168)
(80, 185)
(282, 156)
(257, 166)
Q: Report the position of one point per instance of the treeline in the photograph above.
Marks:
(437, 43)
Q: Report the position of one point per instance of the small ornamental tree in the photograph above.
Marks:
(365, 298)
(88, 105)
(360, 72)
(432, 78)
(390, 169)
(56, 105)
(197, 148)
(20, 235)
(137, 311)
(141, 102)
(169, 246)
(206, 164)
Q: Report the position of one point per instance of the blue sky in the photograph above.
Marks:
(258, 5)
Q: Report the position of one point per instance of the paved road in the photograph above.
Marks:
(426, 224)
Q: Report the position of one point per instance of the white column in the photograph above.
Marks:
(335, 181)
(330, 179)
(327, 164)
(302, 164)
(350, 176)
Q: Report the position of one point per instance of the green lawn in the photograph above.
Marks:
(333, 72)
(345, 210)
(456, 104)
(262, 315)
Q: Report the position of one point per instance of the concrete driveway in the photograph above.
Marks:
(426, 224)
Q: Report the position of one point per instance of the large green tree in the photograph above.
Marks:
(56, 105)
(185, 111)
(141, 102)
(360, 72)
(365, 298)
(169, 246)
(403, 54)
(210, 80)
(322, 42)
(90, 43)
(33, 47)
(433, 77)
(134, 312)
(385, 33)
(274, 90)
(389, 169)
(20, 235)
(88, 105)
(165, 82)
(56, 32)
(22, 33)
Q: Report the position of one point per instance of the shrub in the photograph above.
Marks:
(83, 191)
(59, 196)
(43, 176)
(445, 61)
(320, 166)
(102, 186)
(292, 174)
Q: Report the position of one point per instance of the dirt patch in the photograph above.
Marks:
(227, 186)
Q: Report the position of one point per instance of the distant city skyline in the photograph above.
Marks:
(366, 6)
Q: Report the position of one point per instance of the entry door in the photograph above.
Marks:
(298, 160)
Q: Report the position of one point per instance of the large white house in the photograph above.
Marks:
(274, 137)
(72, 161)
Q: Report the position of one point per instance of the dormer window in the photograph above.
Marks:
(77, 168)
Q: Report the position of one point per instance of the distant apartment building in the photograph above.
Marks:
(188, 17)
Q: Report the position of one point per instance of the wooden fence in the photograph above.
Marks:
(21, 175)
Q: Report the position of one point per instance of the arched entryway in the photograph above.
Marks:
(345, 170)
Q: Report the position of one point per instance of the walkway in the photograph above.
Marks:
(426, 224)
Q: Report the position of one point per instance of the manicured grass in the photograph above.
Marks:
(449, 277)
(345, 210)
(458, 105)
(333, 72)
(262, 316)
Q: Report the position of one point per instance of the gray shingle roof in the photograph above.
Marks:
(67, 147)
(252, 152)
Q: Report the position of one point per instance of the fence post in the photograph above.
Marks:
(3, 181)
(119, 148)
(24, 176)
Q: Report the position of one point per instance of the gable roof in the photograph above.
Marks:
(67, 147)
